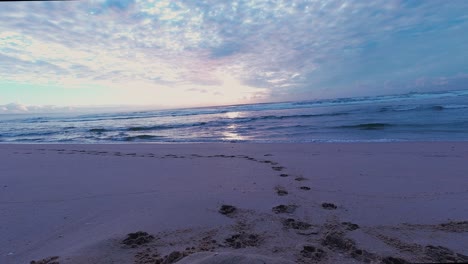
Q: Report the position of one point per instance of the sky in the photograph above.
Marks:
(184, 53)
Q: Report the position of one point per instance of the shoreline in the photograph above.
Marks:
(377, 141)
(79, 201)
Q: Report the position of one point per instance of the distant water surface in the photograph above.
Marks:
(410, 117)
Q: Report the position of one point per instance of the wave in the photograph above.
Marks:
(36, 120)
(146, 115)
(163, 127)
(281, 117)
(141, 128)
(437, 107)
(397, 108)
(98, 130)
(456, 126)
(368, 126)
(383, 98)
(227, 121)
(400, 108)
(38, 133)
(455, 106)
(28, 140)
(295, 116)
(141, 137)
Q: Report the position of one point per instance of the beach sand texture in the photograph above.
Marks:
(234, 203)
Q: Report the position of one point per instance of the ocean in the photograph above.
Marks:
(436, 116)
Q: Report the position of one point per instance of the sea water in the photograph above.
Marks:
(436, 116)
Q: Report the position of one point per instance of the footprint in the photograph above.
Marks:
(300, 178)
(227, 210)
(312, 252)
(329, 206)
(284, 209)
(49, 260)
(350, 226)
(444, 255)
(281, 191)
(295, 224)
(243, 240)
(278, 168)
(137, 239)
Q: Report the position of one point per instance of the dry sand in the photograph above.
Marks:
(291, 203)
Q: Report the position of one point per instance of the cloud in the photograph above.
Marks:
(273, 49)
(14, 108)
(18, 108)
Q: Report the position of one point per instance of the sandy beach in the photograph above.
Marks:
(232, 202)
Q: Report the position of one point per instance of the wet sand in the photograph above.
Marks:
(208, 203)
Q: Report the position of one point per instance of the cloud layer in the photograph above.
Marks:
(217, 52)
